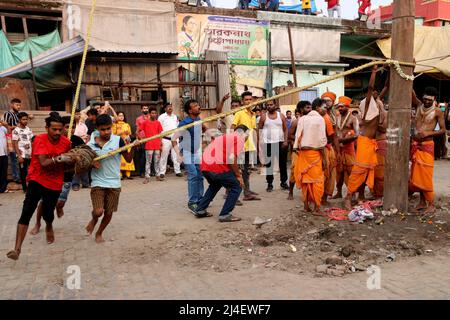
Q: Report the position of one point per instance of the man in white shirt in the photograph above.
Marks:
(169, 121)
(309, 168)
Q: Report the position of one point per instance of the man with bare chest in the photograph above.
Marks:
(422, 149)
(363, 170)
(347, 131)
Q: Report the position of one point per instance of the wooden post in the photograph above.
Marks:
(399, 124)
(3, 24)
(25, 27)
(294, 68)
(34, 80)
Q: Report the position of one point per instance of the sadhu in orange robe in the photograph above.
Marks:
(309, 175)
(363, 170)
(421, 177)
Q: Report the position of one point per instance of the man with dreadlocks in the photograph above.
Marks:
(45, 180)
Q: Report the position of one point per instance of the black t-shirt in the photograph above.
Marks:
(75, 142)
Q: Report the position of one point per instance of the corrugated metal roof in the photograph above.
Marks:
(64, 51)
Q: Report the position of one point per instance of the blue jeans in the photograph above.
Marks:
(81, 178)
(243, 4)
(306, 11)
(15, 171)
(65, 191)
(195, 177)
(216, 181)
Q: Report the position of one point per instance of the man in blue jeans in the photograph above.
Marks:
(191, 142)
(220, 167)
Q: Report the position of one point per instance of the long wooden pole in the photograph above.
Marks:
(291, 48)
(399, 124)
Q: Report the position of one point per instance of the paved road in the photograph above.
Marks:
(129, 265)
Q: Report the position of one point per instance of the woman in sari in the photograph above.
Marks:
(122, 128)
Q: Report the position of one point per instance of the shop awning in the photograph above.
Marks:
(431, 49)
(61, 52)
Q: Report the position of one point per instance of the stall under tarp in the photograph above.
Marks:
(49, 77)
(431, 49)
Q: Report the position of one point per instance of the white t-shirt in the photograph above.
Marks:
(311, 131)
(23, 136)
(3, 142)
(168, 122)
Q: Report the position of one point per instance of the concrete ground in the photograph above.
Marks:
(140, 260)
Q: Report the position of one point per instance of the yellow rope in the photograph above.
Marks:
(224, 114)
(83, 62)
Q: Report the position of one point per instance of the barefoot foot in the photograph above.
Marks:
(35, 230)
(99, 238)
(90, 227)
(290, 197)
(49, 234)
(13, 254)
(337, 196)
(347, 204)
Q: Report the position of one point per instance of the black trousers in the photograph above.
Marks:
(35, 193)
(3, 173)
(23, 167)
(276, 151)
(244, 164)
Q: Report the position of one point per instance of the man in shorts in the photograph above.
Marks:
(106, 185)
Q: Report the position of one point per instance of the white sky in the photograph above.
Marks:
(349, 7)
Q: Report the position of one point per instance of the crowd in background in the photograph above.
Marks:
(152, 159)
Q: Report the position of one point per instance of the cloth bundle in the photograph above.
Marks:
(82, 156)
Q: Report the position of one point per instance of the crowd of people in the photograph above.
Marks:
(308, 7)
(328, 144)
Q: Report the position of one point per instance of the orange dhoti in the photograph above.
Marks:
(309, 175)
(294, 158)
(344, 168)
(363, 170)
(330, 172)
(421, 177)
(379, 169)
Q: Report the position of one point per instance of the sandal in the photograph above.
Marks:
(206, 215)
(230, 219)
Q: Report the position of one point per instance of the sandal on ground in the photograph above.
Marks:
(206, 215)
(230, 219)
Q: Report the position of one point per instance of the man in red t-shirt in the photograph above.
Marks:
(45, 180)
(333, 5)
(140, 134)
(149, 128)
(220, 168)
(363, 5)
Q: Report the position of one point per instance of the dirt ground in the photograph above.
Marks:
(298, 242)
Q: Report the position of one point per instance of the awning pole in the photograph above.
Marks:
(34, 80)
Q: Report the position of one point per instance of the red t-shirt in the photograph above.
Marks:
(216, 156)
(151, 128)
(139, 121)
(51, 177)
(332, 3)
(364, 5)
